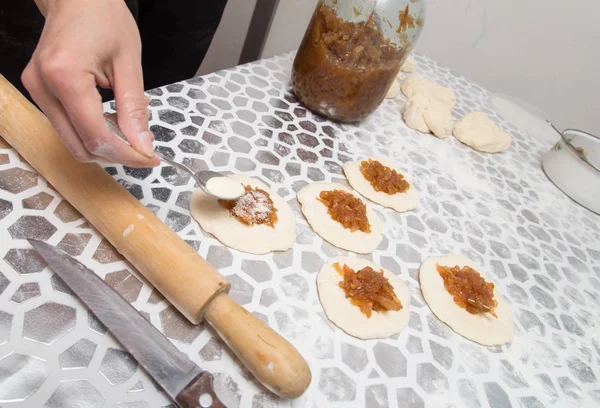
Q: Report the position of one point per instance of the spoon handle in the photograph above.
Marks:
(114, 128)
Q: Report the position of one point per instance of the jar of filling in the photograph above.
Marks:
(352, 52)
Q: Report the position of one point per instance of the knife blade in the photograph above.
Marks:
(186, 383)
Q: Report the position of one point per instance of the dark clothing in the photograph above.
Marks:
(175, 37)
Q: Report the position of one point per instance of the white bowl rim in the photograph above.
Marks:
(574, 149)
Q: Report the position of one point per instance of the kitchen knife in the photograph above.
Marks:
(182, 380)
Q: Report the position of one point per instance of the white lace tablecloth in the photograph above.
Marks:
(541, 249)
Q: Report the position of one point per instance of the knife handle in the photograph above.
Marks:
(199, 393)
(268, 356)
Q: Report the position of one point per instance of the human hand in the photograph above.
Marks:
(84, 44)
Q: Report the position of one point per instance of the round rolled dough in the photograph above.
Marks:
(347, 316)
(328, 229)
(254, 239)
(478, 131)
(482, 328)
(400, 202)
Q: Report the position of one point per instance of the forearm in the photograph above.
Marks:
(45, 6)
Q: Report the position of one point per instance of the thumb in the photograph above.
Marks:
(132, 106)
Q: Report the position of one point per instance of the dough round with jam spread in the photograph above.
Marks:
(482, 328)
(330, 230)
(409, 200)
(255, 239)
(347, 316)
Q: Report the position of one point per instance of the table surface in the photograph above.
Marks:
(541, 249)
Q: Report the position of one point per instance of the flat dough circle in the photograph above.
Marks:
(255, 239)
(347, 316)
(399, 202)
(482, 328)
(332, 231)
(478, 131)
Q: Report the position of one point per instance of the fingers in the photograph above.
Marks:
(56, 114)
(132, 104)
(76, 90)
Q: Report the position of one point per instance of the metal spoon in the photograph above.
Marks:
(201, 177)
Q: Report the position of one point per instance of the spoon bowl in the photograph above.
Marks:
(222, 187)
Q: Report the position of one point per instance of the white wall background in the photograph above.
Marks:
(544, 52)
(227, 44)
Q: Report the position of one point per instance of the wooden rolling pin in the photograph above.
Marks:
(190, 283)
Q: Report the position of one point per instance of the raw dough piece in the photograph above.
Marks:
(425, 113)
(414, 84)
(478, 131)
(347, 316)
(254, 239)
(393, 91)
(413, 112)
(481, 328)
(438, 118)
(408, 65)
(400, 202)
(328, 229)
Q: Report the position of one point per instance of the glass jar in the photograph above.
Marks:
(352, 52)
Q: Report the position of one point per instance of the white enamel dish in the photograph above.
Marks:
(573, 165)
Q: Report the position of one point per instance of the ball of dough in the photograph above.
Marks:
(347, 316)
(413, 112)
(478, 131)
(400, 202)
(438, 118)
(321, 222)
(482, 328)
(414, 84)
(255, 239)
(393, 91)
(409, 65)
(425, 113)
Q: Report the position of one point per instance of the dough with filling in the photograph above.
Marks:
(409, 200)
(482, 328)
(478, 131)
(347, 316)
(321, 222)
(255, 239)
(415, 84)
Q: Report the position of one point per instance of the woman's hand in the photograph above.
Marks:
(84, 44)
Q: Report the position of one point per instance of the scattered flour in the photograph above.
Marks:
(128, 230)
